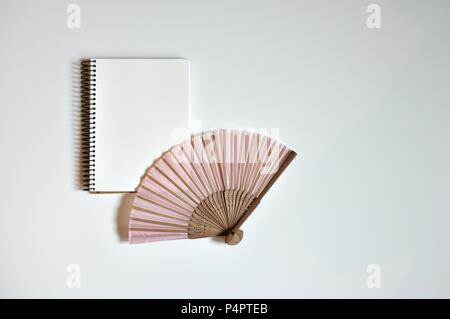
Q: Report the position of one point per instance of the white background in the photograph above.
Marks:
(366, 110)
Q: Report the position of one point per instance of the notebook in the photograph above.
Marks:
(132, 111)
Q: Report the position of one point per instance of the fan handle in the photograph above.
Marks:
(234, 237)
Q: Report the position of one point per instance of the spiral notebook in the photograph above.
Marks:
(132, 111)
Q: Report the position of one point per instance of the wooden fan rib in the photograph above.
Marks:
(232, 202)
(209, 166)
(172, 193)
(209, 162)
(235, 205)
(215, 212)
(185, 163)
(226, 155)
(163, 181)
(155, 190)
(228, 203)
(206, 206)
(198, 227)
(139, 237)
(220, 208)
(175, 176)
(247, 200)
(195, 181)
(240, 159)
(162, 207)
(150, 212)
(232, 205)
(183, 191)
(231, 194)
(240, 202)
(219, 145)
(199, 178)
(218, 160)
(254, 166)
(226, 159)
(245, 159)
(209, 214)
(214, 163)
(202, 167)
(198, 218)
(159, 230)
(223, 205)
(143, 222)
(267, 144)
(233, 163)
(196, 165)
(215, 201)
(200, 221)
(182, 210)
(250, 160)
(197, 195)
(265, 178)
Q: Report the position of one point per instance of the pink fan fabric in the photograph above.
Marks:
(189, 172)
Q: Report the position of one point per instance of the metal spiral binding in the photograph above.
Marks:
(88, 79)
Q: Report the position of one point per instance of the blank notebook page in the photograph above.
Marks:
(142, 109)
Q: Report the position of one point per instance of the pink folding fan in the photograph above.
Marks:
(206, 186)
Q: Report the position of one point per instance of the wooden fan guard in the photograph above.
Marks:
(237, 199)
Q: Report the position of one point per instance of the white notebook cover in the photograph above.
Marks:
(142, 109)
